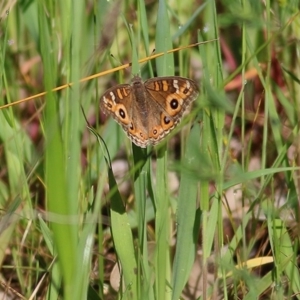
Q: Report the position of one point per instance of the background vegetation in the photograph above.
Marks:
(212, 212)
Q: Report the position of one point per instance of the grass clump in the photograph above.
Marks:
(211, 212)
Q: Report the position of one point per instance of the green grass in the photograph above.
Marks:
(229, 229)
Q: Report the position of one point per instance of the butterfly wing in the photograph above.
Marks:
(172, 97)
(122, 104)
(115, 101)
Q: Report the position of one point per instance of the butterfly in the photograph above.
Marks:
(148, 111)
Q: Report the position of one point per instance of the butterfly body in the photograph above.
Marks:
(148, 111)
